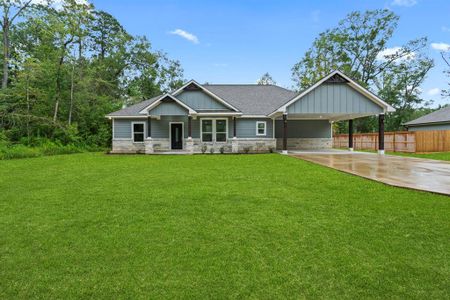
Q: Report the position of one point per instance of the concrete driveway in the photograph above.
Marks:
(408, 172)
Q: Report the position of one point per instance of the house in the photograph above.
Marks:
(236, 118)
(437, 120)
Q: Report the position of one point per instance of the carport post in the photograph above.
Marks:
(284, 134)
(350, 135)
(381, 134)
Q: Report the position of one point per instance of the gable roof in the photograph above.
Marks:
(161, 99)
(194, 83)
(251, 99)
(350, 82)
(439, 116)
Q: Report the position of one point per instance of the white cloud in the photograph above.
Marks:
(58, 4)
(391, 51)
(440, 46)
(406, 3)
(434, 91)
(185, 35)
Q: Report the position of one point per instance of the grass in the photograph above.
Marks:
(212, 226)
(432, 155)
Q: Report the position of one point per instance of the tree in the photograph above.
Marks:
(358, 47)
(11, 10)
(446, 57)
(399, 85)
(266, 79)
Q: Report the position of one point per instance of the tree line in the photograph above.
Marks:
(67, 65)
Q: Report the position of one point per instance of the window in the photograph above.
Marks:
(207, 130)
(214, 130)
(138, 132)
(260, 128)
(221, 130)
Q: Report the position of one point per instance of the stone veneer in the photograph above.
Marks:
(306, 143)
(195, 145)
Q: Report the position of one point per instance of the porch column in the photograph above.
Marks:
(234, 141)
(189, 127)
(381, 134)
(350, 135)
(149, 127)
(190, 141)
(285, 134)
(148, 143)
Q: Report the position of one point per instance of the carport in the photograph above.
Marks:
(334, 98)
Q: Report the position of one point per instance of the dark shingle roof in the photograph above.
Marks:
(250, 99)
(439, 116)
(133, 110)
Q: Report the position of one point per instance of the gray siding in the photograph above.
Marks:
(169, 108)
(246, 128)
(122, 127)
(201, 101)
(429, 127)
(304, 129)
(334, 98)
(160, 128)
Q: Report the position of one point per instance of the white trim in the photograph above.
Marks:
(182, 134)
(178, 91)
(254, 116)
(225, 114)
(381, 152)
(159, 101)
(213, 132)
(353, 84)
(132, 131)
(125, 117)
(112, 122)
(257, 128)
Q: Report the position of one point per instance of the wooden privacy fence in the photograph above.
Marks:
(398, 141)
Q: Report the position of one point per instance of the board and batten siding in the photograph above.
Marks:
(246, 128)
(304, 129)
(429, 127)
(334, 98)
(198, 100)
(171, 108)
(122, 127)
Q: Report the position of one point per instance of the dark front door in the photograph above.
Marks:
(176, 135)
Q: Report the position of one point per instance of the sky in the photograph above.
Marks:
(237, 41)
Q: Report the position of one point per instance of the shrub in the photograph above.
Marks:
(222, 149)
(204, 148)
(271, 149)
(247, 149)
(211, 150)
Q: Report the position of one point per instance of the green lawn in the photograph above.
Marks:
(214, 226)
(435, 155)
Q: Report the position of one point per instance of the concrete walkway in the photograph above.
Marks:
(408, 172)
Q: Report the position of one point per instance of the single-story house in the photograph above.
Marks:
(437, 120)
(244, 117)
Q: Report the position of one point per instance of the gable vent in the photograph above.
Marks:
(336, 78)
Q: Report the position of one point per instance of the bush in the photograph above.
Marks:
(271, 150)
(211, 150)
(247, 149)
(222, 149)
(204, 148)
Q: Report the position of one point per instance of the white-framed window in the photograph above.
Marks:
(261, 127)
(214, 130)
(138, 131)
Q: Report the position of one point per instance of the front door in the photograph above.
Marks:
(176, 135)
